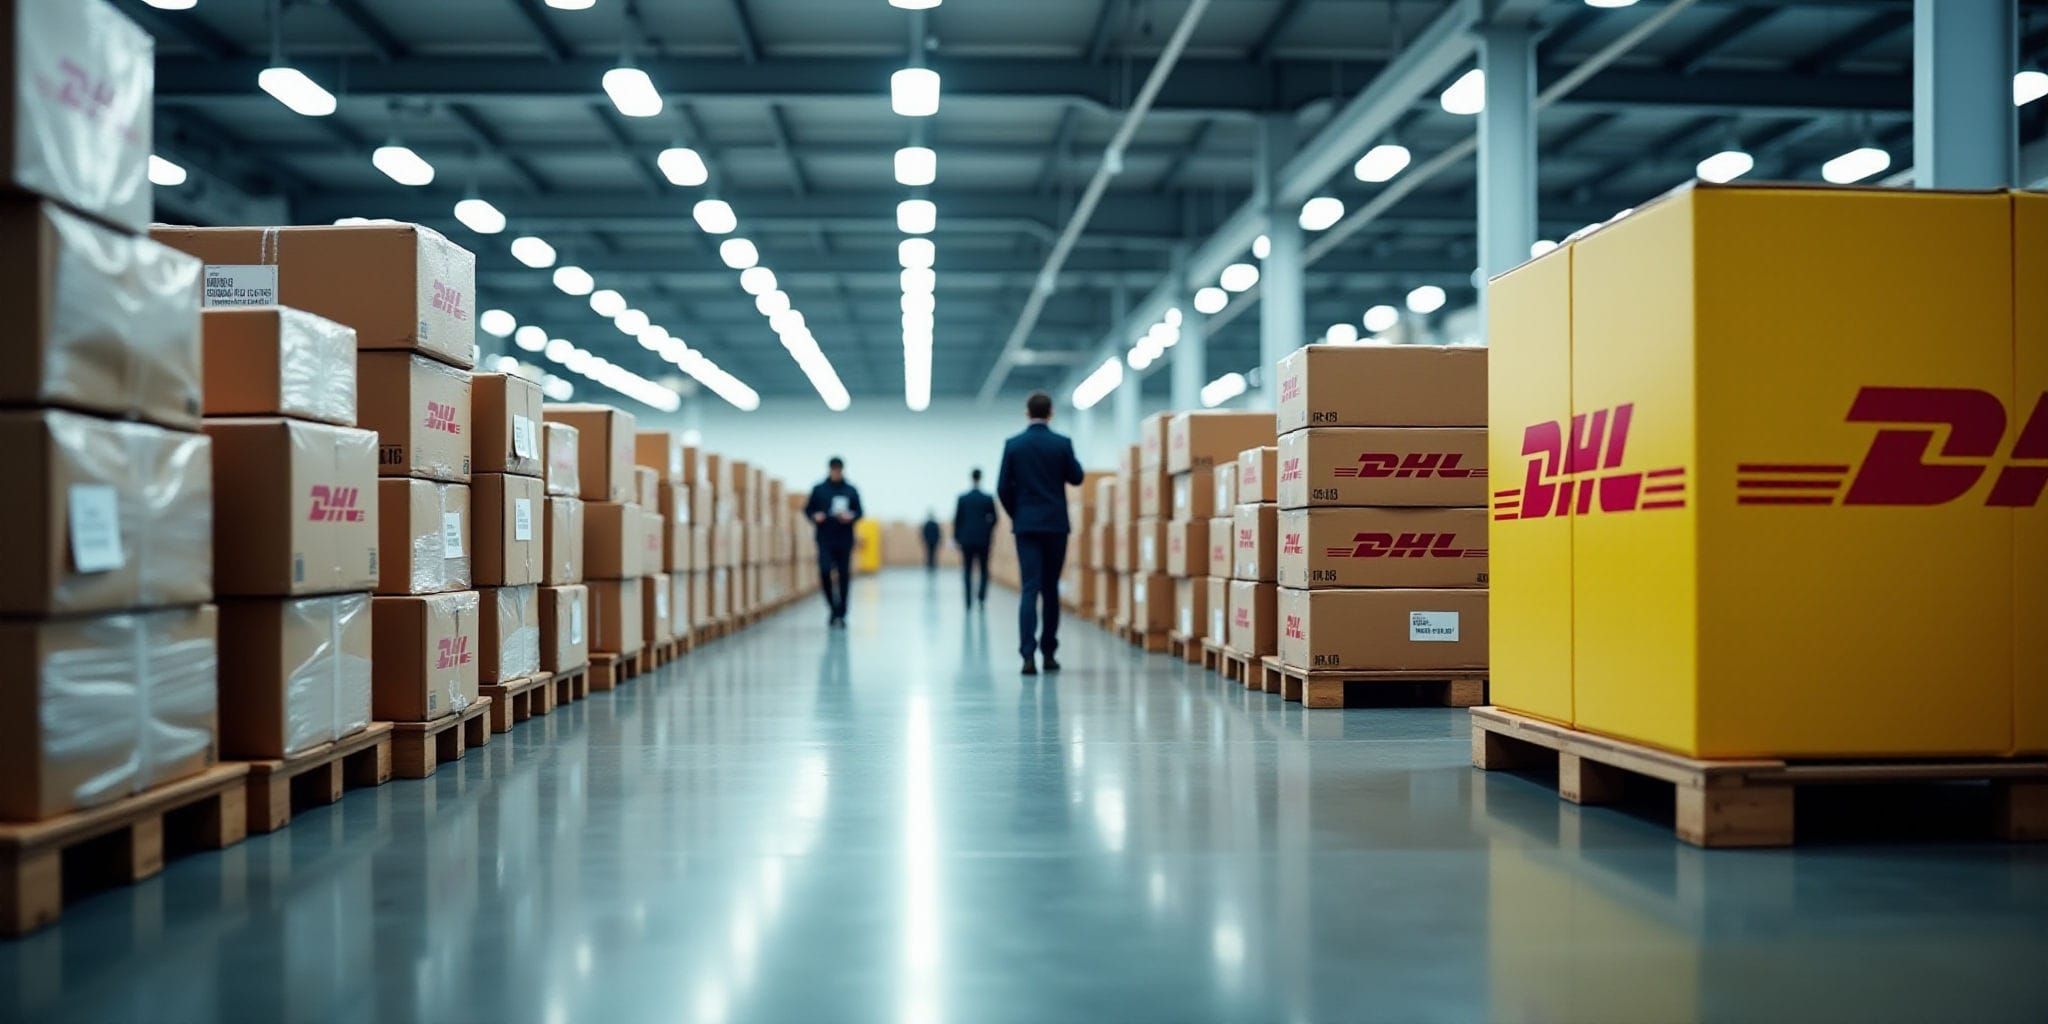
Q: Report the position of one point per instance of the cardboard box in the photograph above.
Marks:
(1151, 539)
(420, 410)
(272, 361)
(98, 320)
(562, 543)
(1104, 592)
(1218, 604)
(1105, 498)
(77, 103)
(1382, 547)
(1155, 495)
(616, 616)
(700, 597)
(1382, 386)
(294, 674)
(400, 286)
(676, 546)
(506, 411)
(2030, 522)
(562, 443)
(1415, 466)
(653, 542)
(1255, 555)
(507, 529)
(675, 504)
(1187, 547)
(655, 607)
(564, 628)
(1366, 630)
(1101, 548)
(1152, 602)
(646, 487)
(1191, 606)
(1223, 489)
(1152, 442)
(103, 707)
(700, 548)
(510, 620)
(611, 540)
(106, 515)
(1258, 475)
(1125, 548)
(605, 441)
(295, 507)
(682, 613)
(1222, 547)
(1253, 629)
(1194, 493)
(714, 472)
(1204, 438)
(703, 505)
(1124, 587)
(423, 531)
(423, 655)
(664, 452)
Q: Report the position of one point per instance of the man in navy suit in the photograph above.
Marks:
(1038, 465)
(974, 526)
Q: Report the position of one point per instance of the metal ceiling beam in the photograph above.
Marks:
(778, 126)
(1702, 47)
(1262, 49)
(552, 42)
(1099, 38)
(1824, 57)
(388, 45)
(491, 143)
(743, 24)
(1183, 154)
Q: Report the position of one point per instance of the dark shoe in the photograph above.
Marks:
(1052, 664)
(1030, 667)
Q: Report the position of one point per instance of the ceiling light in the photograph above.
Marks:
(291, 87)
(631, 322)
(1725, 166)
(480, 216)
(607, 303)
(1139, 358)
(771, 303)
(1320, 213)
(682, 166)
(1172, 318)
(914, 92)
(402, 165)
(789, 321)
(1239, 277)
(652, 337)
(1262, 247)
(914, 253)
(919, 323)
(1381, 163)
(1610, 3)
(1380, 319)
(181, 5)
(919, 302)
(163, 172)
(757, 280)
(2028, 86)
(738, 253)
(571, 5)
(558, 349)
(1341, 334)
(914, 5)
(1426, 300)
(919, 279)
(1467, 95)
(505, 364)
(1222, 389)
(715, 216)
(1541, 246)
(632, 92)
(1099, 384)
(1210, 301)
(557, 389)
(534, 252)
(916, 165)
(497, 323)
(1856, 165)
(574, 280)
(530, 338)
(916, 216)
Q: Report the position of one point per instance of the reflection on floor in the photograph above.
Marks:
(889, 824)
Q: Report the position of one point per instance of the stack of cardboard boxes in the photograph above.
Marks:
(1124, 542)
(614, 545)
(564, 600)
(713, 495)
(1382, 529)
(674, 465)
(1100, 549)
(1254, 528)
(656, 625)
(1198, 446)
(1149, 591)
(1222, 557)
(509, 516)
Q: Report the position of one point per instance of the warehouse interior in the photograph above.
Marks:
(674, 255)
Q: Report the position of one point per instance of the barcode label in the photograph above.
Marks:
(95, 514)
(241, 285)
(451, 535)
(522, 519)
(522, 437)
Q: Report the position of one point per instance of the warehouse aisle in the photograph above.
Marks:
(888, 824)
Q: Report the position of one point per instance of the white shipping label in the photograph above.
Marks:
(1187, 621)
(522, 437)
(95, 513)
(1433, 627)
(660, 602)
(1216, 624)
(522, 519)
(1145, 549)
(241, 285)
(451, 535)
(576, 620)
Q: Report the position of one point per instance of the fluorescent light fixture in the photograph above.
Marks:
(1610, 3)
(1856, 165)
(607, 303)
(480, 216)
(177, 5)
(916, 253)
(1210, 301)
(916, 165)
(919, 302)
(1222, 389)
(1320, 213)
(557, 389)
(1426, 300)
(632, 92)
(914, 92)
(1262, 247)
(918, 279)
(917, 377)
(558, 349)
(291, 87)
(1725, 166)
(1172, 317)
(1239, 277)
(771, 303)
(1380, 319)
(914, 5)
(530, 338)
(652, 337)
(738, 253)
(789, 321)
(497, 323)
(1139, 358)
(574, 280)
(2028, 86)
(1467, 95)
(534, 252)
(1099, 384)
(682, 166)
(715, 216)
(1164, 336)
(1381, 163)
(916, 216)
(1540, 246)
(505, 364)
(402, 165)
(1341, 334)
(919, 323)
(757, 280)
(571, 5)
(631, 322)
(163, 172)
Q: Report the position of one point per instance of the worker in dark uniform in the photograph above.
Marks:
(974, 527)
(1038, 466)
(931, 535)
(834, 507)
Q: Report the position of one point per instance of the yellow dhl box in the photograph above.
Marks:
(1794, 516)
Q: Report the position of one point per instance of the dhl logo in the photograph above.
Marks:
(454, 650)
(1290, 543)
(1290, 469)
(1219, 550)
(1294, 628)
(1245, 538)
(1381, 465)
(1405, 545)
(449, 300)
(1242, 615)
(1895, 469)
(1591, 465)
(1290, 389)
(335, 505)
(79, 89)
(441, 416)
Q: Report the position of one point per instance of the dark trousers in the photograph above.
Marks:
(931, 555)
(969, 555)
(1040, 558)
(835, 573)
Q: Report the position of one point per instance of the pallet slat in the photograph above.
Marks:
(320, 775)
(419, 748)
(518, 700)
(1328, 689)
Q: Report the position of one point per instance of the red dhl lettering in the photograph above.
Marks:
(449, 300)
(1290, 389)
(335, 504)
(1245, 538)
(76, 88)
(1894, 470)
(1244, 616)
(441, 416)
(1294, 630)
(453, 651)
(1290, 543)
(1406, 465)
(1405, 545)
(1591, 465)
(1290, 469)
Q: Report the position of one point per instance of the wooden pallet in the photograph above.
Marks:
(1239, 667)
(419, 748)
(516, 701)
(663, 653)
(317, 777)
(1746, 802)
(206, 811)
(1212, 656)
(610, 671)
(1387, 688)
(1186, 648)
(568, 687)
(1150, 643)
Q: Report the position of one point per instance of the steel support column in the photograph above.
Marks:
(1124, 421)
(1964, 123)
(1190, 355)
(1281, 304)
(1507, 149)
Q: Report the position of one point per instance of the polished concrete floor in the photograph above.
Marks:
(889, 824)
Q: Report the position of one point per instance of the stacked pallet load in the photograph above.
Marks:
(509, 524)
(1198, 444)
(714, 502)
(564, 599)
(1382, 556)
(674, 465)
(1124, 540)
(1149, 591)
(1250, 633)
(1100, 548)
(657, 631)
(613, 542)
(1222, 561)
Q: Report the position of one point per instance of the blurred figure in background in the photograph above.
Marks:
(974, 527)
(1038, 465)
(834, 507)
(931, 536)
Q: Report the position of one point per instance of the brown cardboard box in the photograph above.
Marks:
(1382, 547)
(616, 616)
(1364, 630)
(653, 542)
(509, 618)
(506, 411)
(424, 652)
(1151, 602)
(682, 614)
(1258, 477)
(295, 507)
(294, 674)
(1194, 493)
(725, 545)
(719, 588)
(420, 410)
(1218, 605)
(86, 718)
(1124, 588)
(1152, 442)
(1252, 629)
(1104, 498)
(604, 448)
(700, 548)
(1223, 493)
(507, 526)
(1124, 548)
(562, 543)
(700, 597)
(715, 472)
(664, 452)
(563, 479)
(564, 628)
(423, 531)
(1222, 546)
(1199, 439)
(401, 286)
(1382, 386)
(1151, 546)
(1415, 466)
(1155, 495)
(611, 540)
(272, 361)
(77, 107)
(1187, 547)
(1191, 606)
(1102, 547)
(647, 487)
(1105, 592)
(675, 504)
(675, 545)
(1255, 552)
(655, 597)
(106, 515)
(703, 504)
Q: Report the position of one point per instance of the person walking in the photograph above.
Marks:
(834, 506)
(931, 535)
(1038, 465)
(974, 526)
